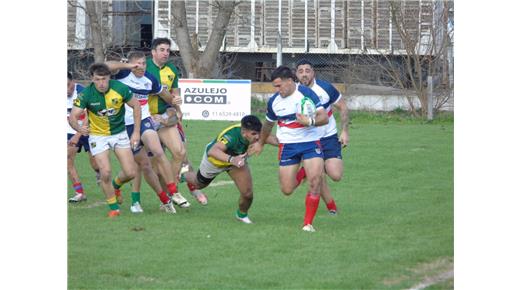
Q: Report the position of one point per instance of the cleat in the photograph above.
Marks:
(79, 197)
(185, 168)
(245, 219)
(168, 207)
(333, 212)
(113, 213)
(119, 197)
(136, 208)
(200, 196)
(179, 200)
(308, 228)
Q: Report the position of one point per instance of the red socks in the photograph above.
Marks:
(163, 197)
(172, 188)
(311, 206)
(192, 187)
(332, 206)
(300, 176)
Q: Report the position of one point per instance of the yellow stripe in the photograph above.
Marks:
(153, 104)
(165, 72)
(98, 125)
(112, 200)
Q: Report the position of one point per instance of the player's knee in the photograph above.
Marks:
(287, 190)
(335, 176)
(105, 175)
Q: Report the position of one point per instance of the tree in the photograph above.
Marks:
(201, 64)
(426, 54)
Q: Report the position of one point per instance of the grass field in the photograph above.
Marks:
(394, 229)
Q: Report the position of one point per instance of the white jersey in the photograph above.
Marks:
(283, 110)
(70, 101)
(328, 95)
(141, 87)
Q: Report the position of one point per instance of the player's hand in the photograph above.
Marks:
(83, 130)
(344, 139)
(134, 140)
(255, 149)
(302, 119)
(177, 100)
(239, 161)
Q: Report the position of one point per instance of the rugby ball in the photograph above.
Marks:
(307, 107)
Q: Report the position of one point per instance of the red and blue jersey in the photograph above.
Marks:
(283, 111)
(328, 95)
(142, 87)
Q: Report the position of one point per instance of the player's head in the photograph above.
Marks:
(138, 58)
(70, 84)
(282, 79)
(100, 75)
(161, 50)
(251, 127)
(305, 72)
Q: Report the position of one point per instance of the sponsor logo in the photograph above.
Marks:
(93, 144)
(147, 124)
(318, 150)
(205, 114)
(95, 104)
(205, 99)
(106, 113)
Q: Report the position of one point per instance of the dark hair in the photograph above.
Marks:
(69, 75)
(302, 62)
(99, 69)
(135, 55)
(282, 72)
(161, 40)
(251, 122)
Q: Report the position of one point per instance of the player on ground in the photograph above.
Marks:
(171, 136)
(331, 145)
(104, 101)
(134, 75)
(228, 153)
(75, 142)
(298, 136)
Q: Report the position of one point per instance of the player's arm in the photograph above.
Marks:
(75, 113)
(272, 140)
(136, 107)
(257, 147)
(341, 106)
(116, 66)
(321, 117)
(218, 151)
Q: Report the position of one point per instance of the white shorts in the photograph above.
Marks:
(100, 144)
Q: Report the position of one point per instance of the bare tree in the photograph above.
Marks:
(425, 55)
(201, 64)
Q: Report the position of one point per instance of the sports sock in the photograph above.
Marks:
(112, 203)
(172, 188)
(136, 197)
(191, 187)
(311, 206)
(163, 197)
(240, 214)
(300, 176)
(117, 183)
(332, 205)
(78, 187)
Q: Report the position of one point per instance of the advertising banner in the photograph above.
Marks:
(215, 99)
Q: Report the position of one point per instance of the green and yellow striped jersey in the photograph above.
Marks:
(106, 112)
(168, 75)
(235, 144)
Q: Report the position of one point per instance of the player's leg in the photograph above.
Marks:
(287, 176)
(244, 183)
(150, 138)
(79, 195)
(152, 179)
(313, 164)
(171, 138)
(194, 189)
(334, 169)
(93, 164)
(103, 161)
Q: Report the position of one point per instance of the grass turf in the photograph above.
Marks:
(395, 222)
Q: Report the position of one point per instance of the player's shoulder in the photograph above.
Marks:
(306, 91)
(79, 88)
(150, 76)
(327, 86)
(118, 86)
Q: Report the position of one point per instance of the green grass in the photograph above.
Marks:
(394, 226)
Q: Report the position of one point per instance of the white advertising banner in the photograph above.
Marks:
(215, 99)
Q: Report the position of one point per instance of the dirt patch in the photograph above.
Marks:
(425, 274)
